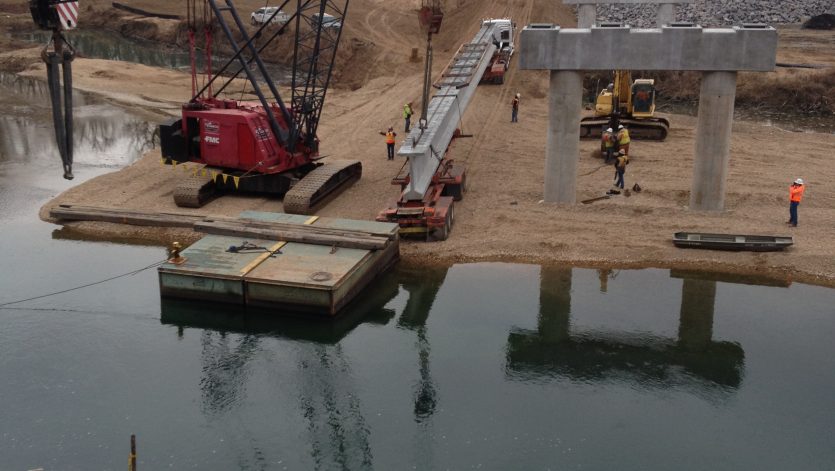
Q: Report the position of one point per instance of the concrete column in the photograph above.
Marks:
(586, 15)
(666, 14)
(713, 141)
(563, 147)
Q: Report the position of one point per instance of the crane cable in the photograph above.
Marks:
(130, 273)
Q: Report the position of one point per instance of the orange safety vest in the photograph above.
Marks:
(796, 192)
(389, 138)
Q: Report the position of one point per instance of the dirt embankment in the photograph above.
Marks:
(501, 217)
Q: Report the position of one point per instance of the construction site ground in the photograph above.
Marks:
(502, 217)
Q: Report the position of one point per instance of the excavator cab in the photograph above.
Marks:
(643, 98)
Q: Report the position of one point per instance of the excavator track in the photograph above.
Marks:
(650, 129)
(194, 191)
(320, 184)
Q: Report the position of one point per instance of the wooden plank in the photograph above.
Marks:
(384, 229)
(291, 236)
(121, 216)
(281, 226)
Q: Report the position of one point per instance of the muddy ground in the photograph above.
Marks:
(502, 216)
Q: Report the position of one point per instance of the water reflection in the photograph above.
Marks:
(422, 285)
(104, 135)
(692, 360)
(338, 434)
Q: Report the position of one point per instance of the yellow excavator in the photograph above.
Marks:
(629, 103)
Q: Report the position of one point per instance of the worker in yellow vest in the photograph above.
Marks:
(407, 115)
(623, 139)
(390, 135)
(620, 168)
(608, 144)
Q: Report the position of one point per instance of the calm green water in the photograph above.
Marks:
(492, 366)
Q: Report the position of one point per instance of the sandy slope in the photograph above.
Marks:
(501, 217)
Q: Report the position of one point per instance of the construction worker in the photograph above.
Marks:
(515, 109)
(608, 144)
(623, 139)
(390, 135)
(620, 168)
(795, 195)
(407, 114)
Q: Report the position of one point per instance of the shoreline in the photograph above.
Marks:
(415, 254)
(501, 218)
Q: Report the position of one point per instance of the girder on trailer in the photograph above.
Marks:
(427, 143)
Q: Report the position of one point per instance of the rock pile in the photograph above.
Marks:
(715, 13)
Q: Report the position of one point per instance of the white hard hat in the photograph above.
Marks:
(799, 181)
(518, 95)
(609, 130)
(620, 126)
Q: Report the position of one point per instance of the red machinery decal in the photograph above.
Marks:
(211, 126)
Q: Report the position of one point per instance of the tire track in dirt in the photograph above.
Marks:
(502, 101)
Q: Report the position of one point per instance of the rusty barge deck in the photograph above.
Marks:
(320, 271)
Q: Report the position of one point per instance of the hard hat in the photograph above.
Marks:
(799, 181)
(609, 130)
(518, 95)
(390, 128)
(620, 126)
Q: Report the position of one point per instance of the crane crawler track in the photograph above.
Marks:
(320, 184)
(194, 191)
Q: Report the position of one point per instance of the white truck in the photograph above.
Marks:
(262, 15)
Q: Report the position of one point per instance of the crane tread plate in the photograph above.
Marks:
(319, 184)
(194, 191)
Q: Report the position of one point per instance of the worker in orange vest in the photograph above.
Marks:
(390, 135)
(623, 139)
(795, 195)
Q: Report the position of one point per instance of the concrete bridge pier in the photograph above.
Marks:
(713, 141)
(586, 15)
(562, 149)
(666, 14)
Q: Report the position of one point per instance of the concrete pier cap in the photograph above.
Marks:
(679, 46)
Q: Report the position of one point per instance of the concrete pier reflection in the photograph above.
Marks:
(552, 350)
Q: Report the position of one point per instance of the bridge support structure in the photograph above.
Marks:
(719, 53)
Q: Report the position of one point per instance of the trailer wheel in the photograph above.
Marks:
(441, 233)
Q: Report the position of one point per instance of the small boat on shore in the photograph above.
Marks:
(755, 243)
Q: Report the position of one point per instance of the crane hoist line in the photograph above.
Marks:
(270, 145)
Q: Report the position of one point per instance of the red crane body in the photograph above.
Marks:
(237, 135)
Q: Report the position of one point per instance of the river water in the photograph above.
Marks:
(486, 365)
